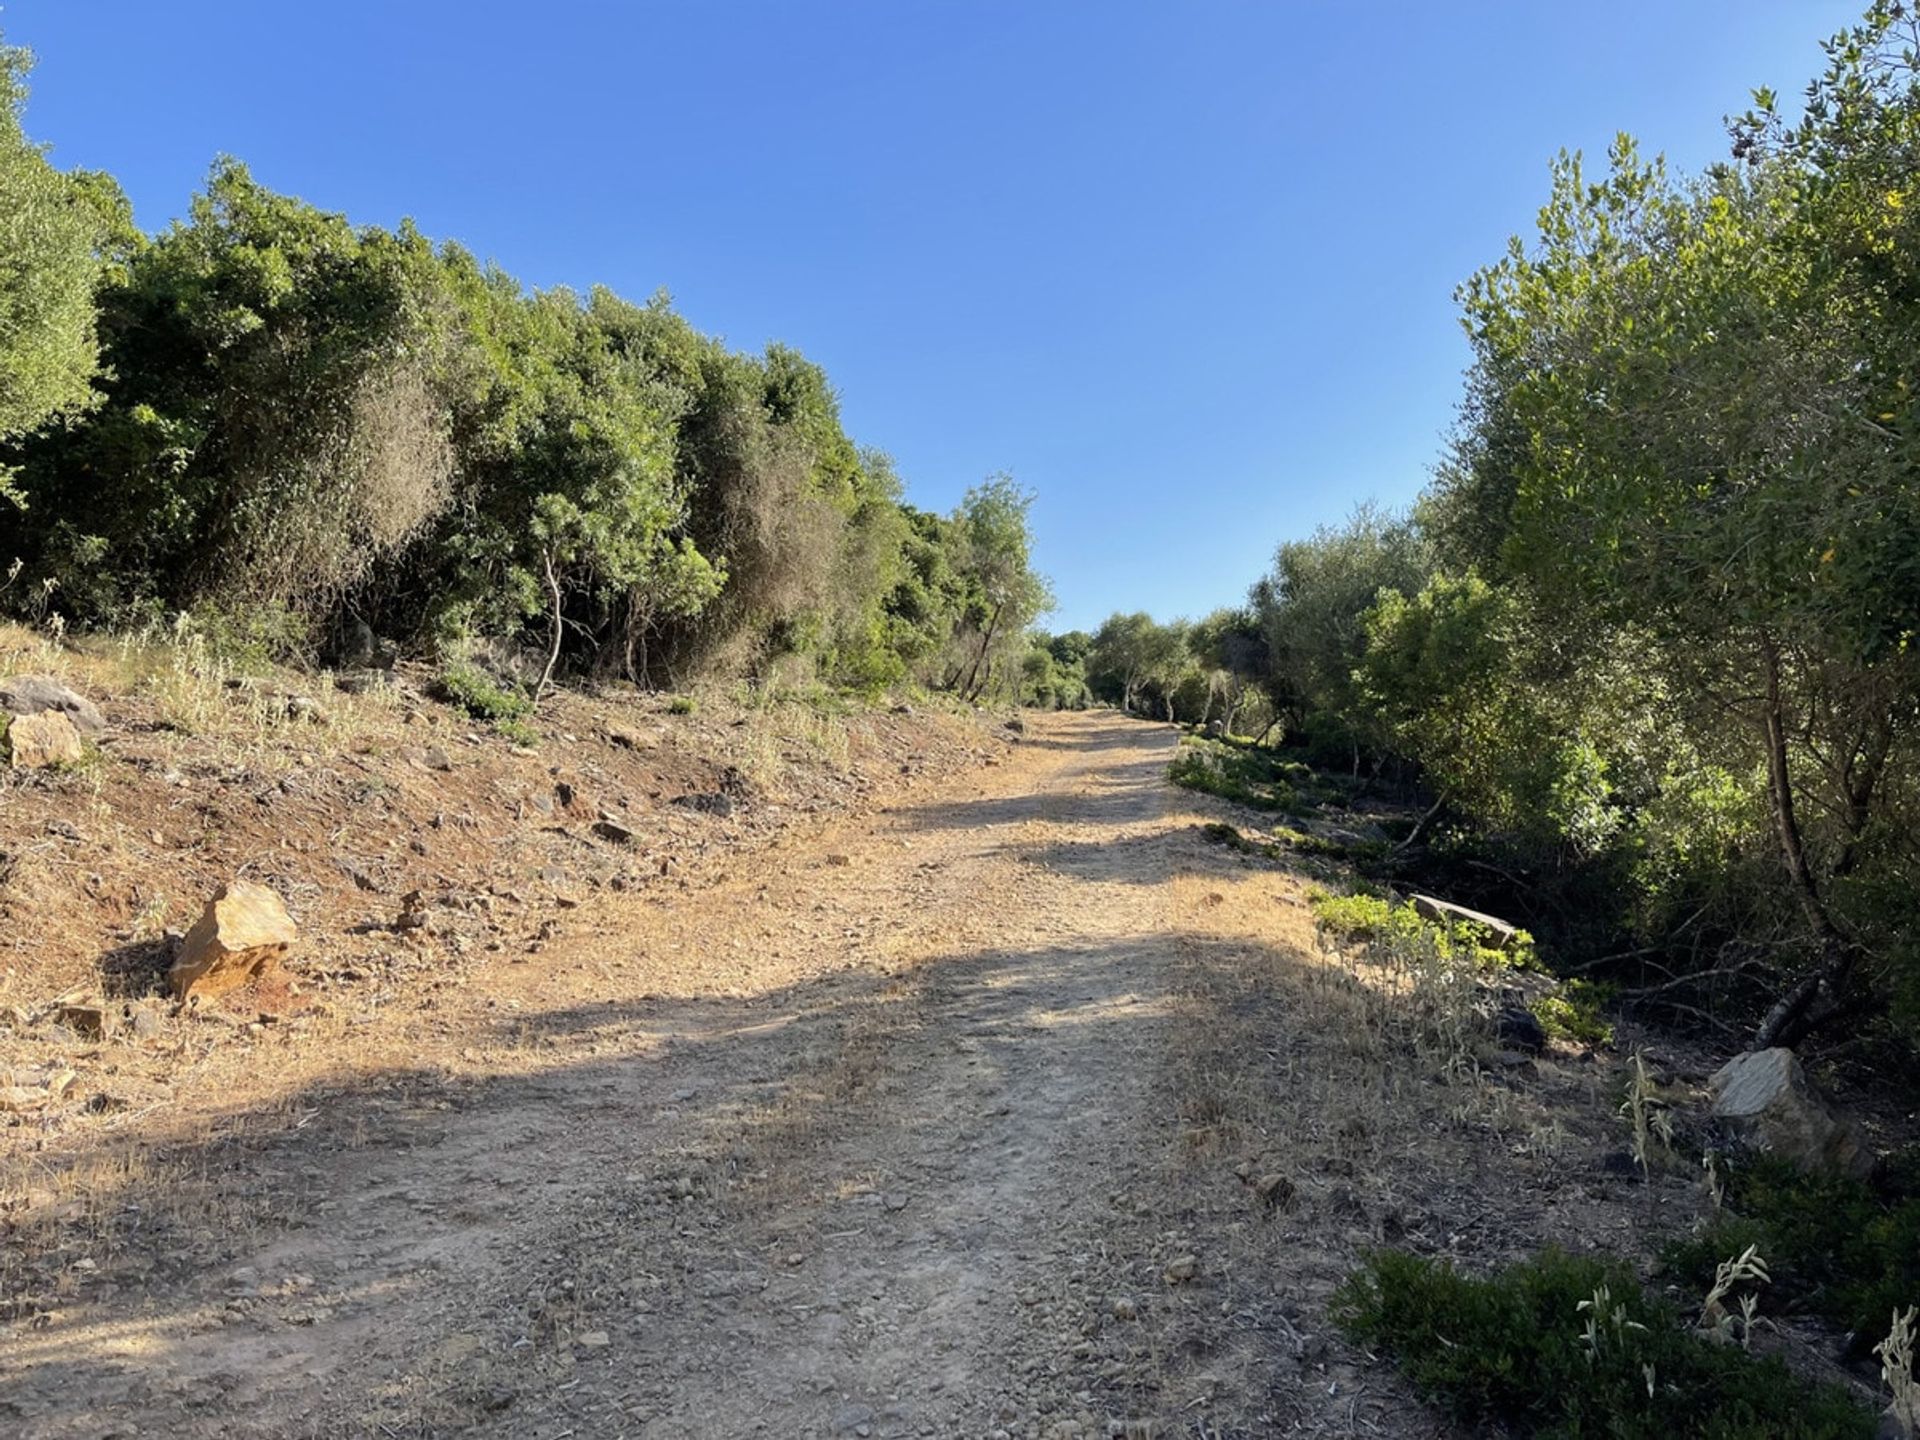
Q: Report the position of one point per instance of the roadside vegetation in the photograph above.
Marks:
(1645, 656)
(1640, 672)
(332, 444)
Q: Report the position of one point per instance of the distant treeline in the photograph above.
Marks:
(270, 420)
(1651, 637)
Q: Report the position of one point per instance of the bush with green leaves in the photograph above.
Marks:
(1573, 1348)
(483, 697)
(1836, 1244)
(1389, 924)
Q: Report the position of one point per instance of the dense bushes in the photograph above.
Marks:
(1651, 640)
(1572, 1347)
(1833, 1243)
(352, 427)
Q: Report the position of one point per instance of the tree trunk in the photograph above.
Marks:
(986, 640)
(1793, 1017)
(553, 653)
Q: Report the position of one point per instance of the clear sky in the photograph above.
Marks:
(1184, 267)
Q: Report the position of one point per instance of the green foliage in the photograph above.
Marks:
(518, 731)
(1834, 1243)
(1572, 1347)
(1576, 1011)
(482, 697)
(52, 229)
(1309, 613)
(1246, 775)
(1378, 920)
(682, 705)
(331, 420)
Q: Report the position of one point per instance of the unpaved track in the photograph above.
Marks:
(873, 1138)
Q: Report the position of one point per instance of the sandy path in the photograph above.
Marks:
(870, 1140)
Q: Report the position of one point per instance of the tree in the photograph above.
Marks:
(51, 227)
(1695, 417)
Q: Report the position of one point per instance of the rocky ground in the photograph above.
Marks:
(1001, 1105)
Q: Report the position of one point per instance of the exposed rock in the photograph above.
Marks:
(608, 828)
(31, 1089)
(146, 1022)
(1518, 1028)
(37, 694)
(415, 914)
(243, 933)
(1767, 1101)
(92, 1022)
(1501, 935)
(37, 741)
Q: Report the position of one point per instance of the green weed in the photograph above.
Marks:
(1572, 1347)
(1835, 1244)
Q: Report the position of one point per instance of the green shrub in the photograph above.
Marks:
(1377, 921)
(1834, 1244)
(518, 731)
(1573, 1012)
(1247, 776)
(1571, 1347)
(682, 705)
(477, 693)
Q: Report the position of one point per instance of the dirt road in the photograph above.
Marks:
(920, 1125)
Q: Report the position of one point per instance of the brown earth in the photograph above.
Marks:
(952, 1117)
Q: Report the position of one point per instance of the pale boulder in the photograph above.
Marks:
(1767, 1101)
(1500, 934)
(242, 935)
(35, 742)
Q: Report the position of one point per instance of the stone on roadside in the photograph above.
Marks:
(243, 933)
(1765, 1098)
(35, 742)
(1501, 934)
(42, 694)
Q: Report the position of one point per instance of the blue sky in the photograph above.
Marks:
(1184, 268)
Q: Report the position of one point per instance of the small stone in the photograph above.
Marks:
(1518, 1028)
(1499, 934)
(415, 913)
(607, 828)
(31, 1089)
